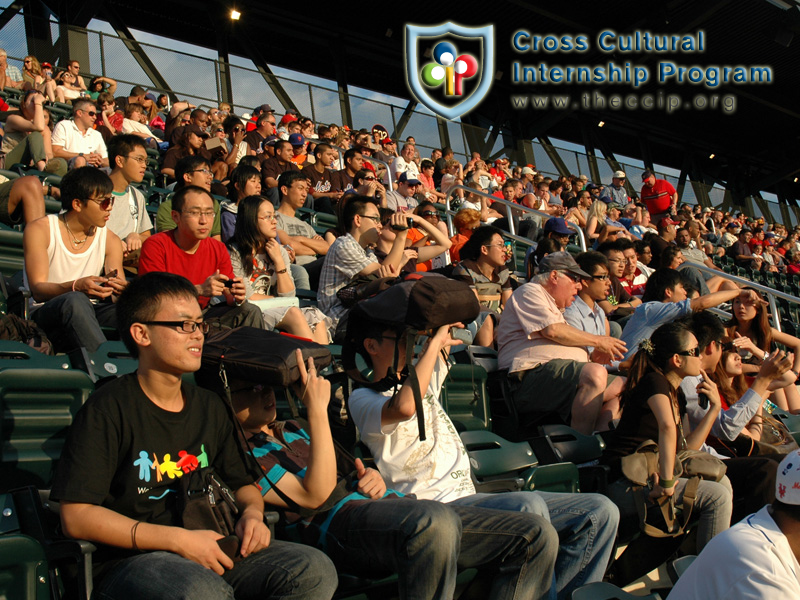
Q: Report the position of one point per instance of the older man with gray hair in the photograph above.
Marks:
(549, 368)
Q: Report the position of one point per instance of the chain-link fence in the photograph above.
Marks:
(201, 81)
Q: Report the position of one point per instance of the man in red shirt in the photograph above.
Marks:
(188, 250)
(659, 196)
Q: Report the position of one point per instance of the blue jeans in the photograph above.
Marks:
(586, 525)
(283, 570)
(71, 321)
(426, 543)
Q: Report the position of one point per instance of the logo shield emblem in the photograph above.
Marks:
(448, 68)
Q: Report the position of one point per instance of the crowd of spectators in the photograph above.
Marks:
(616, 339)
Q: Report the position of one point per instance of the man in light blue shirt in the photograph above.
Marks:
(584, 313)
(664, 301)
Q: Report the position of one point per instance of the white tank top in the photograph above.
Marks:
(68, 266)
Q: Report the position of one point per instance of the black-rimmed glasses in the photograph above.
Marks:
(184, 326)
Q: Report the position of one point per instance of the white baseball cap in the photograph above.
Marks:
(787, 480)
(619, 175)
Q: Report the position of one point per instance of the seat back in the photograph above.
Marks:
(38, 406)
(465, 397)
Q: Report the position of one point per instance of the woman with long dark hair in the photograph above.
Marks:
(263, 264)
(653, 408)
(245, 181)
(750, 330)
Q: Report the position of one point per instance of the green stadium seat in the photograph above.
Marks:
(23, 568)
(465, 398)
(601, 590)
(38, 406)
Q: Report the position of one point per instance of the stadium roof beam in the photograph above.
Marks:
(402, 122)
(553, 155)
(260, 62)
(138, 53)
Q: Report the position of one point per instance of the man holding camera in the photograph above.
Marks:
(188, 250)
(350, 255)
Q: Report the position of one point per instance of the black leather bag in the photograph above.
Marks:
(258, 355)
(205, 502)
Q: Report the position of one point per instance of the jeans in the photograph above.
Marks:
(586, 525)
(71, 321)
(713, 505)
(246, 315)
(283, 570)
(427, 542)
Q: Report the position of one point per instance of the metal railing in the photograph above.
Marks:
(512, 206)
(770, 293)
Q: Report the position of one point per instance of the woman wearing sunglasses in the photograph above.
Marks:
(66, 257)
(653, 408)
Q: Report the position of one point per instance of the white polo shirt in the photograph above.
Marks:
(67, 134)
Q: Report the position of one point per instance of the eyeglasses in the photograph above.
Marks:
(26, 61)
(493, 245)
(572, 276)
(185, 120)
(142, 160)
(373, 217)
(105, 203)
(689, 352)
(269, 218)
(237, 129)
(196, 214)
(368, 179)
(599, 277)
(430, 213)
(206, 171)
(616, 260)
(185, 326)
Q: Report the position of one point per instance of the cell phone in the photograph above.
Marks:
(410, 223)
(462, 335)
(228, 283)
(111, 274)
(703, 401)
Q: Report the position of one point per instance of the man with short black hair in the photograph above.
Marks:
(188, 250)
(351, 253)
(127, 454)
(342, 181)
(664, 301)
(129, 217)
(272, 168)
(320, 175)
(659, 196)
(64, 257)
(305, 242)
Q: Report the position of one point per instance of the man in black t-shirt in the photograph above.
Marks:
(128, 450)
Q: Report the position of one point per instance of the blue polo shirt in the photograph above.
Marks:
(580, 316)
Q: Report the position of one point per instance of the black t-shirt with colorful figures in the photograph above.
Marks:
(126, 454)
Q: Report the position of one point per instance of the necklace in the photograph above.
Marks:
(75, 241)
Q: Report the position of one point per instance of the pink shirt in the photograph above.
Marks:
(521, 346)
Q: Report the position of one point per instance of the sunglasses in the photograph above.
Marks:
(104, 203)
(430, 213)
(689, 352)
